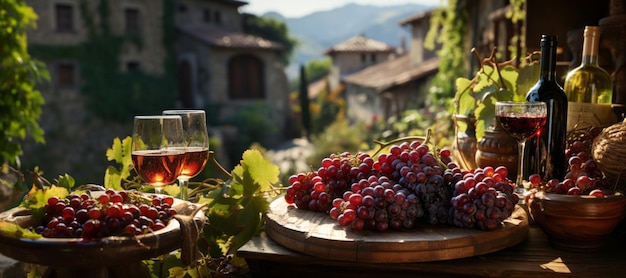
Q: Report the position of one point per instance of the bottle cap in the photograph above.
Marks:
(549, 40)
(592, 31)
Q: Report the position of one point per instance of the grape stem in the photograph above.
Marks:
(383, 145)
(218, 165)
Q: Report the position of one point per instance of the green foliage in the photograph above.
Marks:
(9, 229)
(273, 30)
(340, 136)
(235, 207)
(448, 29)
(317, 69)
(20, 102)
(303, 96)
(253, 122)
(327, 107)
(417, 122)
(493, 82)
(120, 153)
(236, 210)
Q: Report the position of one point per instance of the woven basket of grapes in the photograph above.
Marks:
(609, 151)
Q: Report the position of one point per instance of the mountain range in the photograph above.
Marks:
(319, 31)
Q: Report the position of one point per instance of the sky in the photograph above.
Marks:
(299, 8)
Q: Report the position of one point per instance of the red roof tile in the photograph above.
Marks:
(360, 44)
(399, 71)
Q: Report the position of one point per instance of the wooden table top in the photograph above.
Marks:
(533, 257)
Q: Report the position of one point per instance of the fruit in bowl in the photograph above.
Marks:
(576, 222)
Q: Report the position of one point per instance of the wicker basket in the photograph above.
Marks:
(609, 151)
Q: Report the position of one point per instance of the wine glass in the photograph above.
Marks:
(522, 120)
(158, 149)
(197, 145)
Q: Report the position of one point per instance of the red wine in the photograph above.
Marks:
(545, 155)
(158, 167)
(523, 127)
(195, 159)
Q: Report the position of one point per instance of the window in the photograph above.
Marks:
(133, 66)
(66, 75)
(132, 20)
(218, 17)
(206, 15)
(373, 57)
(363, 58)
(64, 17)
(246, 78)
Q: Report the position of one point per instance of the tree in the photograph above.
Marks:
(271, 29)
(20, 102)
(319, 68)
(304, 102)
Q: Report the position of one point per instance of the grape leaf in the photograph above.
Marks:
(485, 114)
(236, 209)
(528, 76)
(36, 198)
(13, 230)
(113, 178)
(486, 79)
(66, 181)
(509, 77)
(262, 173)
(466, 103)
(120, 152)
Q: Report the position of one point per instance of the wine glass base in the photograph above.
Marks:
(521, 192)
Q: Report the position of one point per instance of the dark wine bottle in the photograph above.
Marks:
(545, 154)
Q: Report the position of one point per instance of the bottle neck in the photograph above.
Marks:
(590, 49)
(548, 62)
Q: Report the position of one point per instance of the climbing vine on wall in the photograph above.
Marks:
(448, 28)
(112, 94)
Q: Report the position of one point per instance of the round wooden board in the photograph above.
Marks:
(316, 234)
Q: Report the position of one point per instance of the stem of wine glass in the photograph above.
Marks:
(183, 184)
(520, 169)
(158, 189)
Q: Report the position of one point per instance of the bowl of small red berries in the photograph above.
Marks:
(579, 212)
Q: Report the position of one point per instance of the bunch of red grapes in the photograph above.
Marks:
(112, 213)
(398, 190)
(583, 176)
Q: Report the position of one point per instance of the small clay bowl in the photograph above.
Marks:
(577, 223)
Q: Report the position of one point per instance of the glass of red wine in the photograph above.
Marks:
(158, 149)
(196, 145)
(522, 120)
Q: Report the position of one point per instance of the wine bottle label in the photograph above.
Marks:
(583, 115)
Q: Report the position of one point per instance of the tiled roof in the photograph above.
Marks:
(222, 38)
(360, 44)
(416, 18)
(396, 72)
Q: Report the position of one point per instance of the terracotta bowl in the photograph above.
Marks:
(112, 250)
(577, 223)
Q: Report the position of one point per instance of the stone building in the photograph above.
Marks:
(215, 66)
(393, 85)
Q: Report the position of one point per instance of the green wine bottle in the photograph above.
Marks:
(589, 89)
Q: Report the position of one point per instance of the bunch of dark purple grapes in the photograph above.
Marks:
(483, 198)
(397, 191)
